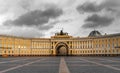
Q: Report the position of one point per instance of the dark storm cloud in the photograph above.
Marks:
(108, 5)
(89, 7)
(95, 21)
(104, 13)
(45, 27)
(35, 18)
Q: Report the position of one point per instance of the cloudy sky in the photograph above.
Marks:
(42, 18)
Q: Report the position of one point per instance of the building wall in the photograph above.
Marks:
(97, 46)
(17, 46)
(0, 47)
(41, 47)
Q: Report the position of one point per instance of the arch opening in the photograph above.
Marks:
(61, 49)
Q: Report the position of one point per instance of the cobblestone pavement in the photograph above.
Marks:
(73, 64)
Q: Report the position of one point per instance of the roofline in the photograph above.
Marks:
(102, 36)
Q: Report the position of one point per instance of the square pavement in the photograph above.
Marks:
(75, 64)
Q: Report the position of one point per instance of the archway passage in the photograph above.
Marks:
(62, 49)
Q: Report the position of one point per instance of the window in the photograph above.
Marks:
(113, 45)
(117, 44)
(4, 51)
(113, 51)
(0, 43)
(117, 50)
(108, 45)
(106, 51)
(102, 45)
(97, 46)
(12, 52)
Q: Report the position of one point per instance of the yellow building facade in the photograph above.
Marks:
(61, 44)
